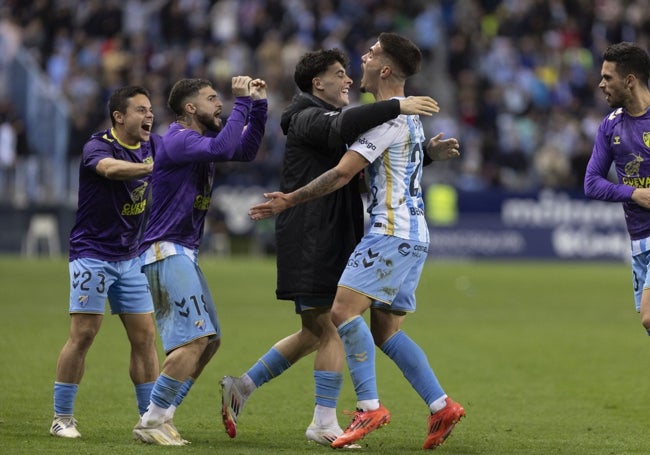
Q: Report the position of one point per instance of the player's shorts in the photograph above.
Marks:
(92, 281)
(640, 276)
(183, 304)
(306, 303)
(387, 269)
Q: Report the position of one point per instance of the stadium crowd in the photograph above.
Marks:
(516, 79)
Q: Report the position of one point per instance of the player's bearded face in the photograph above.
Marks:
(210, 120)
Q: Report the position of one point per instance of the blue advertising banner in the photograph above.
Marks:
(544, 225)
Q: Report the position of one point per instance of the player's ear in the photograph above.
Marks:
(118, 117)
(190, 108)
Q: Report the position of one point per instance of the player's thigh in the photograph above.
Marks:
(90, 281)
(129, 293)
(183, 305)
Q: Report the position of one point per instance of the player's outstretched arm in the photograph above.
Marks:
(350, 165)
(440, 149)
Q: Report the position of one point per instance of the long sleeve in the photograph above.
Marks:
(253, 134)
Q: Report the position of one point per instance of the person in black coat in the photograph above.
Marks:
(315, 239)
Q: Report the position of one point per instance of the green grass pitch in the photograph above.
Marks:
(547, 358)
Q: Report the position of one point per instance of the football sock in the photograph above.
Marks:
(271, 364)
(165, 390)
(142, 395)
(360, 357)
(324, 416)
(182, 392)
(412, 361)
(328, 387)
(64, 395)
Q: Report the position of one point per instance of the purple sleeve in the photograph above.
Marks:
(253, 133)
(222, 147)
(597, 186)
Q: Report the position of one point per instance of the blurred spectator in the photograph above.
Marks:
(516, 80)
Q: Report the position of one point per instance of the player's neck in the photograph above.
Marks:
(639, 105)
(190, 124)
(124, 138)
(387, 90)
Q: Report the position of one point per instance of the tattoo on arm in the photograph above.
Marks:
(323, 184)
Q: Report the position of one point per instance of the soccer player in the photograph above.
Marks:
(182, 186)
(623, 138)
(383, 271)
(314, 240)
(114, 192)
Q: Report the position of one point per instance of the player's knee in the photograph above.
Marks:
(83, 338)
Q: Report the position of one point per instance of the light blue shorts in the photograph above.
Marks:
(640, 276)
(92, 281)
(387, 269)
(183, 304)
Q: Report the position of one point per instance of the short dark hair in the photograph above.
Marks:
(119, 99)
(402, 51)
(182, 90)
(630, 58)
(315, 63)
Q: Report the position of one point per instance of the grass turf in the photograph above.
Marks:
(547, 358)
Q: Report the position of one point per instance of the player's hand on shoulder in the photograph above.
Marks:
(241, 85)
(421, 105)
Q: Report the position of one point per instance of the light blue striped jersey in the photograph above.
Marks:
(394, 150)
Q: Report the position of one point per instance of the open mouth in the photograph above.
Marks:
(147, 127)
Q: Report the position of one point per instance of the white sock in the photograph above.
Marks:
(154, 416)
(368, 405)
(437, 405)
(324, 416)
(169, 415)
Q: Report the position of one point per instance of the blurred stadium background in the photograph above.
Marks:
(516, 81)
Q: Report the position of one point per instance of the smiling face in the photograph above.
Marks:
(613, 85)
(333, 85)
(135, 124)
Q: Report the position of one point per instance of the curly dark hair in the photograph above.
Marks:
(315, 63)
(630, 58)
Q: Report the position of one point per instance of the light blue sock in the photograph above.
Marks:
(411, 359)
(360, 356)
(182, 393)
(328, 387)
(271, 364)
(165, 390)
(143, 395)
(64, 395)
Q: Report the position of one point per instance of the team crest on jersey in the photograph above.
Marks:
(200, 325)
(646, 139)
(617, 140)
(632, 166)
(82, 300)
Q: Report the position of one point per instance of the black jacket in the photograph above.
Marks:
(315, 239)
